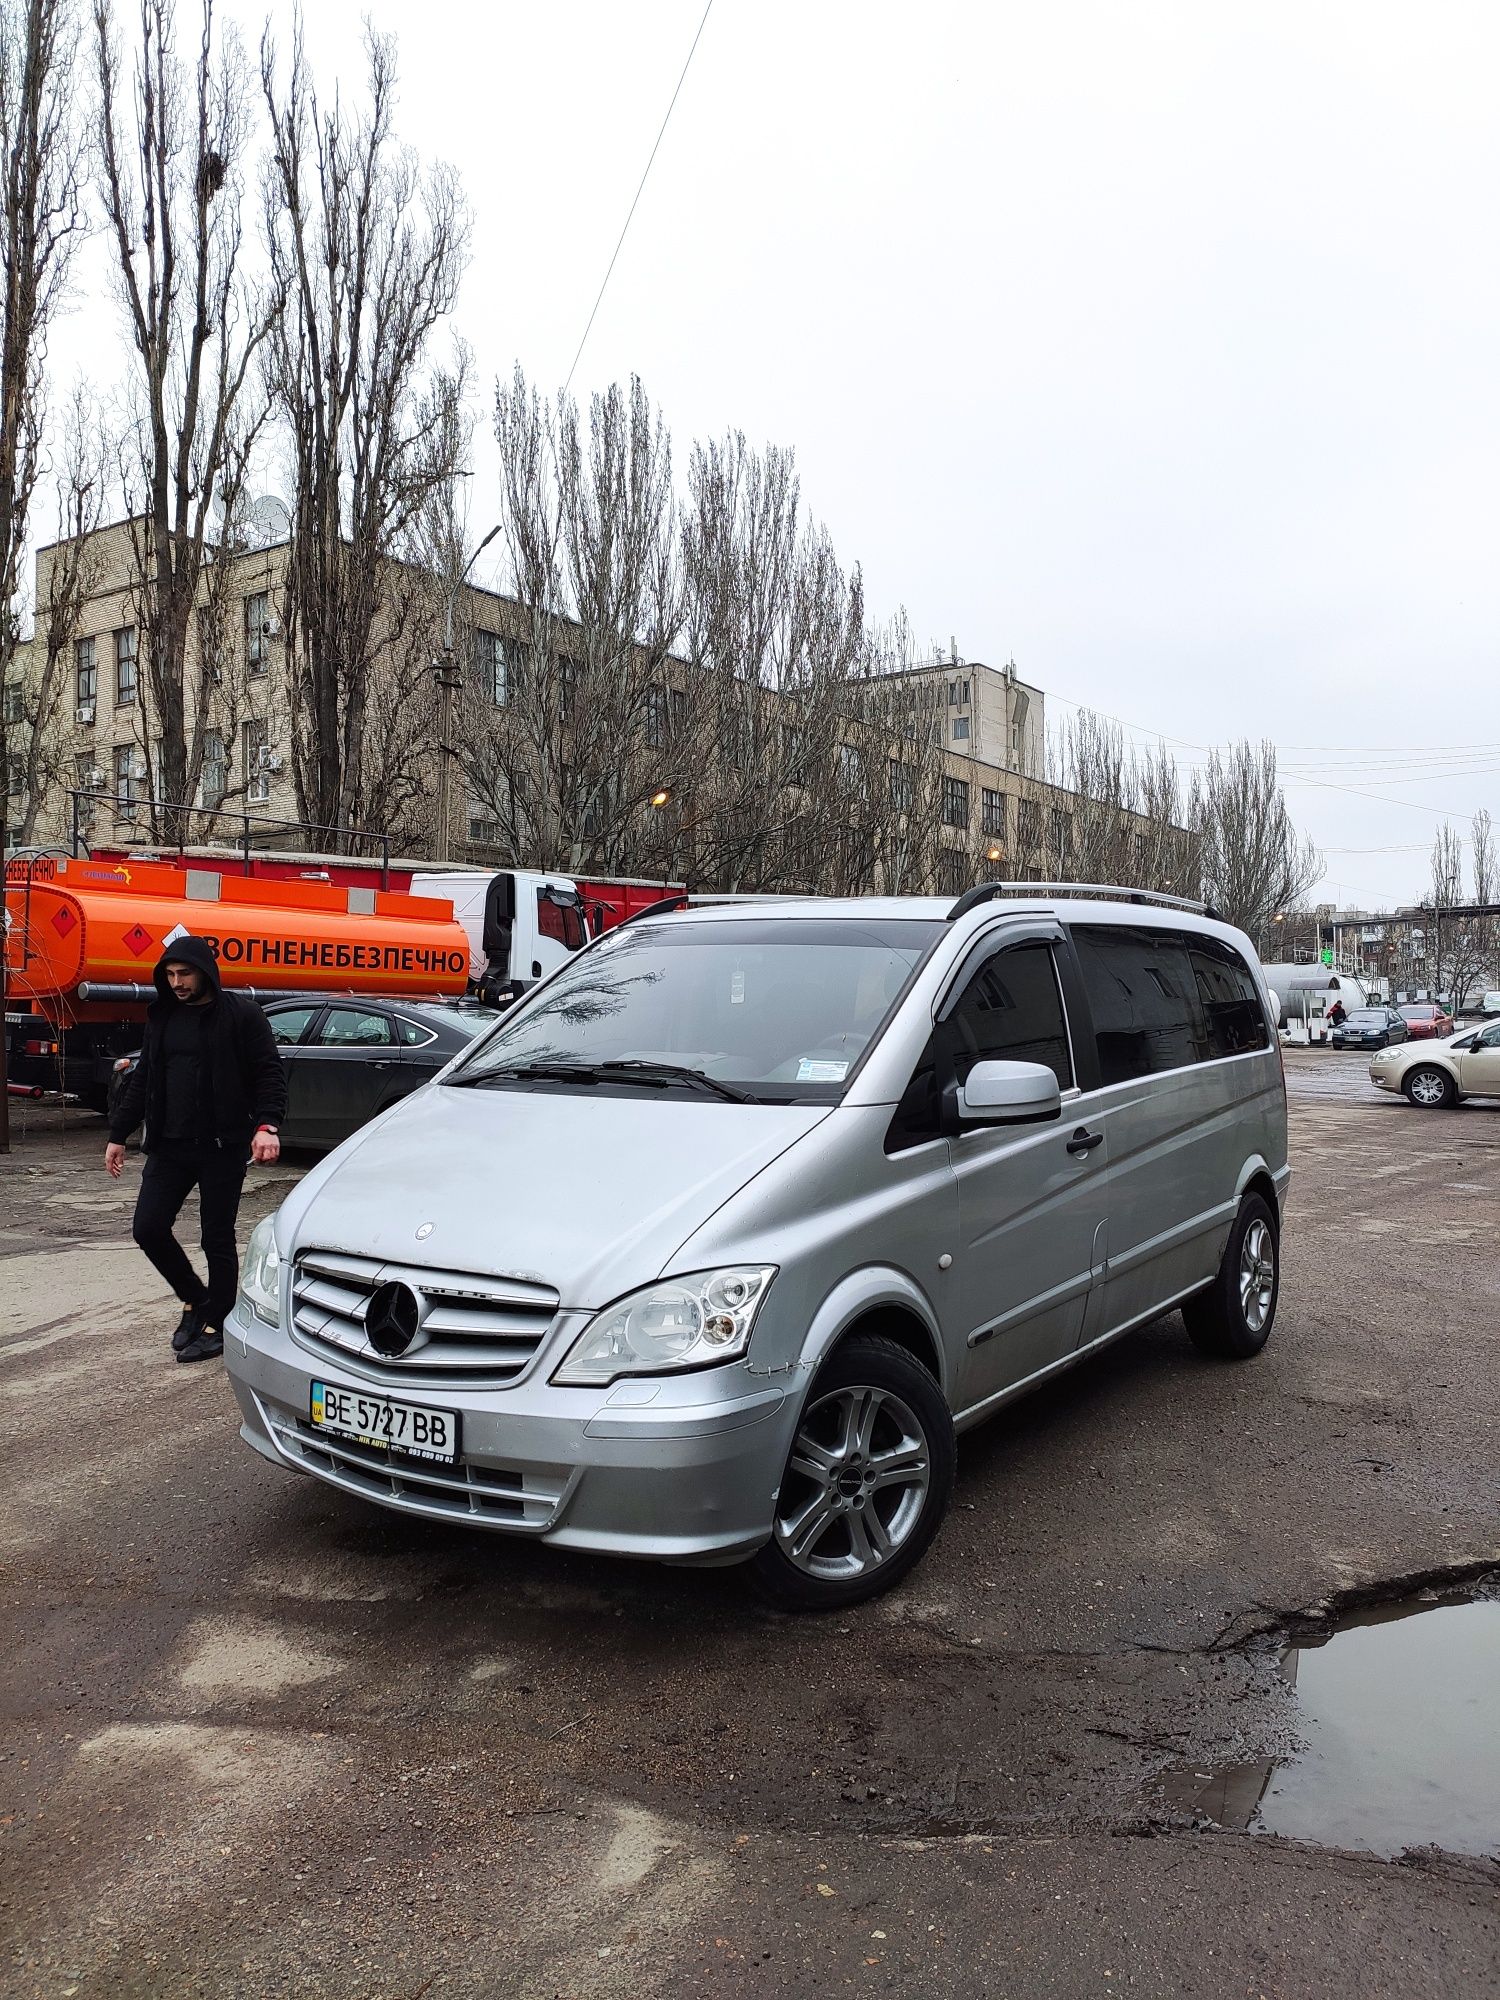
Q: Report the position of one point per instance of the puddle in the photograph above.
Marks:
(1399, 1716)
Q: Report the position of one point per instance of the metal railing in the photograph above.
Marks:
(83, 803)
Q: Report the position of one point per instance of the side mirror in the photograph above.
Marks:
(1009, 1093)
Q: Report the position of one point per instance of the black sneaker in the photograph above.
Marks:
(205, 1345)
(188, 1327)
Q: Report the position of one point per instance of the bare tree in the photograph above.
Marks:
(73, 569)
(41, 158)
(574, 704)
(1461, 949)
(1252, 860)
(171, 154)
(367, 251)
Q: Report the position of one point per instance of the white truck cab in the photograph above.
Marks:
(521, 925)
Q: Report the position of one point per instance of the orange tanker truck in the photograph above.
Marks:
(83, 936)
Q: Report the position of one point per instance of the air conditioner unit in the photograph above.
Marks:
(93, 779)
(266, 759)
(270, 628)
(84, 711)
(273, 762)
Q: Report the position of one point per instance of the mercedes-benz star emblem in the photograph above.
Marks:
(391, 1319)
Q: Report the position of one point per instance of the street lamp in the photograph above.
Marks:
(449, 677)
(992, 853)
(660, 799)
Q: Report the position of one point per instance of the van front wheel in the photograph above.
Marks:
(1232, 1317)
(866, 1483)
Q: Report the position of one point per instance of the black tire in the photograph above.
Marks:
(1232, 1318)
(860, 1533)
(1429, 1088)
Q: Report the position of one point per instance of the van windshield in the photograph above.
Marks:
(780, 1010)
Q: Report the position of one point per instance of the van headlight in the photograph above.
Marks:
(260, 1275)
(688, 1322)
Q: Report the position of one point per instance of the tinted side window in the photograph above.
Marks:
(1232, 1012)
(352, 1028)
(413, 1034)
(1143, 994)
(1012, 1011)
(289, 1024)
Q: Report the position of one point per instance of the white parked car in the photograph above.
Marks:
(1438, 1075)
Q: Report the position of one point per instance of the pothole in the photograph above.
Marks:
(1398, 1712)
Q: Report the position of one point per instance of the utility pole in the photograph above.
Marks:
(450, 678)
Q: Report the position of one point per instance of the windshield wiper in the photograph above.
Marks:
(529, 1073)
(649, 1072)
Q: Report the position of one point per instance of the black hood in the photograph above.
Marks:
(186, 950)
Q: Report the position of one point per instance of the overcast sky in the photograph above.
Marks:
(1154, 346)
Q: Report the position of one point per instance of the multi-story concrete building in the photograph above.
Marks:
(83, 751)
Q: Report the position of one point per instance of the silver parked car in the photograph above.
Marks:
(711, 1246)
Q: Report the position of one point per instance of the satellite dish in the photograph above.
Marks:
(267, 521)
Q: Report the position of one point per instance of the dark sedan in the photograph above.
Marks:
(346, 1060)
(1369, 1028)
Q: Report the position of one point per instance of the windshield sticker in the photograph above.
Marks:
(811, 1070)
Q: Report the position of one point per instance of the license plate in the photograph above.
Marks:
(384, 1424)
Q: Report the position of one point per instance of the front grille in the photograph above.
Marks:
(514, 1497)
(469, 1328)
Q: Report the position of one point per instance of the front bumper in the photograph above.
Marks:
(677, 1469)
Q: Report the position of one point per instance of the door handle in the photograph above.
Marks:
(381, 1062)
(1084, 1141)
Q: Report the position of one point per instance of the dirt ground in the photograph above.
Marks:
(261, 1739)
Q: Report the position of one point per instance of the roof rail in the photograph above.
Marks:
(987, 892)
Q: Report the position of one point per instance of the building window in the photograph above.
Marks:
(851, 770)
(484, 826)
(499, 664)
(567, 683)
(656, 717)
(15, 774)
(14, 711)
(953, 872)
(124, 666)
(963, 694)
(85, 674)
(125, 780)
(1028, 823)
(85, 781)
(257, 632)
(955, 802)
(1062, 831)
(902, 787)
(991, 811)
(960, 729)
(257, 750)
(215, 768)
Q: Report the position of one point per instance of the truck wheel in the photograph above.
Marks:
(866, 1484)
(1430, 1089)
(1232, 1317)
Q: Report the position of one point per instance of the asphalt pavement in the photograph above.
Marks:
(261, 1739)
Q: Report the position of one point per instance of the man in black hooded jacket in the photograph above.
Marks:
(211, 1090)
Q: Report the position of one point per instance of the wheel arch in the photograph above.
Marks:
(880, 1301)
(1256, 1178)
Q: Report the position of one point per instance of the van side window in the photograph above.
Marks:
(1231, 1003)
(1011, 1011)
(1143, 995)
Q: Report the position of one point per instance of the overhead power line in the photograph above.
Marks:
(664, 123)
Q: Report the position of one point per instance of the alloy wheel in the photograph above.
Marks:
(1257, 1275)
(855, 1484)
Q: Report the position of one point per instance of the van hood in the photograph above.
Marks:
(586, 1192)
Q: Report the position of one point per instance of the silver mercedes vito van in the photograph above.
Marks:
(711, 1246)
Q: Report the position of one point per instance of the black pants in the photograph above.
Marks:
(171, 1173)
